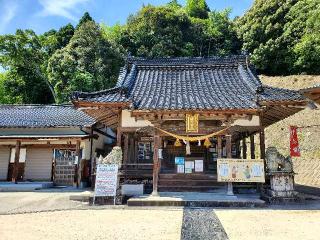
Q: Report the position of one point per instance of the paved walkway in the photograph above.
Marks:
(198, 224)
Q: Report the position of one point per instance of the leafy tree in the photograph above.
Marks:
(280, 35)
(304, 30)
(197, 8)
(158, 32)
(215, 35)
(85, 18)
(87, 63)
(22, 56)
(261, 29)
(5, 98)
(174, 4)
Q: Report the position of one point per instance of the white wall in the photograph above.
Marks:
(128, 121)
(254, 122)
(4, 162)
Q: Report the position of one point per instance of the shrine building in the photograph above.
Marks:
(171, 111)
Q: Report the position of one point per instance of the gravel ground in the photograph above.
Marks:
(51, 215)
(93, 224)
(270, 224)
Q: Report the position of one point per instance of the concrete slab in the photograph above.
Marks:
(198, 199)
(24, 186)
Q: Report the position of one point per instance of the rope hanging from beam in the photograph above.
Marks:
(193, 139)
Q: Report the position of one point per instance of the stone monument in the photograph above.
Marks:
(281, 175)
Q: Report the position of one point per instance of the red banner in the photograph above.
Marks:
(294, 143)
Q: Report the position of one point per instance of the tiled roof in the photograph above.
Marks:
(216, 83)
(43, 116)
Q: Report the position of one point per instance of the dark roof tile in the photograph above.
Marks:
(191, 84)
(43, 116)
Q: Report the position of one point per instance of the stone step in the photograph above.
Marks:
(196, 199)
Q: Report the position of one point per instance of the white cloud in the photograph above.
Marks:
(63, 8)
(7, 14)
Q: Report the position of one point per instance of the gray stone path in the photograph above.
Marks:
(201, 224)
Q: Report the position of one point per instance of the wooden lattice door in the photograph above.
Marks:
(64, 166)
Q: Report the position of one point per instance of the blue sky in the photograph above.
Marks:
(43, 15)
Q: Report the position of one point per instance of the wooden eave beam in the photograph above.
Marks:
(101, 104)
(273, 103)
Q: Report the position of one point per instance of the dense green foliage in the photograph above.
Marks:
(169, 31)
(87, 63)
(282, 36)
(197, 8)
(22, 56)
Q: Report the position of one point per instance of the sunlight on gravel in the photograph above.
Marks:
(270, 224)
(93, 224)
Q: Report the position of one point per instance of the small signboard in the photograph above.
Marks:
(240, 170)
(106, 180)
(188, 166)
(198, 165)
(179, 160)
(180, 168)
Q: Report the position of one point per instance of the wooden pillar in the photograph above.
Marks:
(156, 163)
(244, 148)
(119, 137)
(16, 162)
(238, 148)
(77, 172)
(252, 147)
(219, 146)
(119, 133)
(228, 146)
(262, 144)
(229, 155)
(126, 149)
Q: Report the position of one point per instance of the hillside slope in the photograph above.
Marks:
(308, 165)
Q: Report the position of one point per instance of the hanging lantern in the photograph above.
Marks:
(207, 143)
(177, 143)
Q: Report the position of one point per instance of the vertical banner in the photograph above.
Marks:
(294, 143)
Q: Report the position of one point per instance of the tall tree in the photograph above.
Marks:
(6, 98)
(280, 35)
(197, 8)
(22, 57)
(85, 18)
(87, 63)
(158, 32)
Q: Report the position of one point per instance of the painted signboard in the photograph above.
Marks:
(106, 180)
(179, 160)
(240, 170)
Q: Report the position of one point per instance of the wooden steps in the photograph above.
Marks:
(188, 182)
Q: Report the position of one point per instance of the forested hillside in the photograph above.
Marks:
(282, 37)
